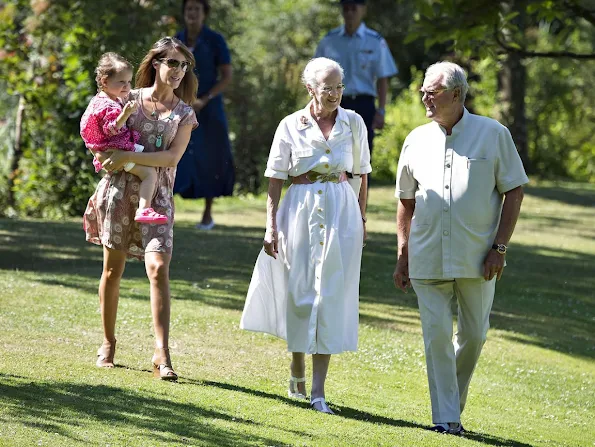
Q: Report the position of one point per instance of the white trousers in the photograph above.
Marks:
(451, 363)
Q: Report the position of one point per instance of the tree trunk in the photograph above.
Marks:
(18, 151)
(512, 85)
(512, 88)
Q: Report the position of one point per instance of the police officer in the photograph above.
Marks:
(366, 59)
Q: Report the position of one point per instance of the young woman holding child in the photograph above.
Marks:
(103, 127)
(159, 112)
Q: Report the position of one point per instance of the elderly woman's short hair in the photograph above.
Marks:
(317, 66)
(453, 76)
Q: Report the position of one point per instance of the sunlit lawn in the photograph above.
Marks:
(534, 385)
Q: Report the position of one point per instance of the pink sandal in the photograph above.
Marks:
(149, 215)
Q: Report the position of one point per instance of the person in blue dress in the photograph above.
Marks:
(206, 170)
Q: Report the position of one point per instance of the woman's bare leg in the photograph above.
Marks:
(114, 262)
(157, 267)
(298, 370)
(320, 364)
(206, 215)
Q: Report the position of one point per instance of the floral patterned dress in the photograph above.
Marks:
(109, 217)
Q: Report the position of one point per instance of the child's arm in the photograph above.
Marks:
(114, 119)
(128, 109)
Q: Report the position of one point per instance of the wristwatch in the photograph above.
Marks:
(500, 248)
(381, 111)
(364, 219)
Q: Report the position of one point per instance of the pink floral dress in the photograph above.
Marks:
(98, 127)
(109, 217)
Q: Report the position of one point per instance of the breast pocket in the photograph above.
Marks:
(347, 146)
(346, 159)
(301, 154)
(479, 171)
(367, 59)
(476, 189)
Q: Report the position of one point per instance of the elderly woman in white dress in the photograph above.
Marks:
(305, 285)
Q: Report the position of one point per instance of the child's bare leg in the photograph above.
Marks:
(148, 177)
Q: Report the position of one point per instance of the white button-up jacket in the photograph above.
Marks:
(458, 182)
(299, 146)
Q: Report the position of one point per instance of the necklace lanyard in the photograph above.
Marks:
(155, 114)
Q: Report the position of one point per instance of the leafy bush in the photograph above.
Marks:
(50, 52)
(402, 116)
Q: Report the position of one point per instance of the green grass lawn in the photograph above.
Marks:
(534, 386)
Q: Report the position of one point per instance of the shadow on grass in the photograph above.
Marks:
(164, 421)
(545, 298)
(570, 194)
(358, 415)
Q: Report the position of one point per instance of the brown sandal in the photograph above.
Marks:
(105, 354)
(162, 365)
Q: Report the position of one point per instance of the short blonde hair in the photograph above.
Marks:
(317, 66)
(453, 76)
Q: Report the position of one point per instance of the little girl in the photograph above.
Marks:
(103, 127)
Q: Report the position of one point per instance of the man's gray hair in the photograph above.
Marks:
(453, 76)
(317, 66)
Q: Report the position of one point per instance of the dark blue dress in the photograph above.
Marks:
(206, 168)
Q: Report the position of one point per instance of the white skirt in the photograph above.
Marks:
(309, 295)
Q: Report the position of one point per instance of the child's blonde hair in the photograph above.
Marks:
(109, 65)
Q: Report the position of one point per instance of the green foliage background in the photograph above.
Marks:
(50, 48)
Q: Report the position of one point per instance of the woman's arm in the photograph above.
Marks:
(363, 199)
(225, 75)
(270, 238)
(162, 159)
(363, 195)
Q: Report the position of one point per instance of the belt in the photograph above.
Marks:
(313, 177)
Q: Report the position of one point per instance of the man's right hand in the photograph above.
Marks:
(401, 275)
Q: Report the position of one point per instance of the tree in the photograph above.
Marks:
(507, 31)
(50, 49)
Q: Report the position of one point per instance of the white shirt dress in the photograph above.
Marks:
(309, 295)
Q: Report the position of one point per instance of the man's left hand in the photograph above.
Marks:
(493, 265)
(378, 122)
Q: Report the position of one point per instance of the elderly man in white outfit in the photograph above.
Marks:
(305, 285)
(459, 184)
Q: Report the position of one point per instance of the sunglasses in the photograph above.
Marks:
(174, 63)
(433, 93)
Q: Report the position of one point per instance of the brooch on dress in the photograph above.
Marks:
(304, 122)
